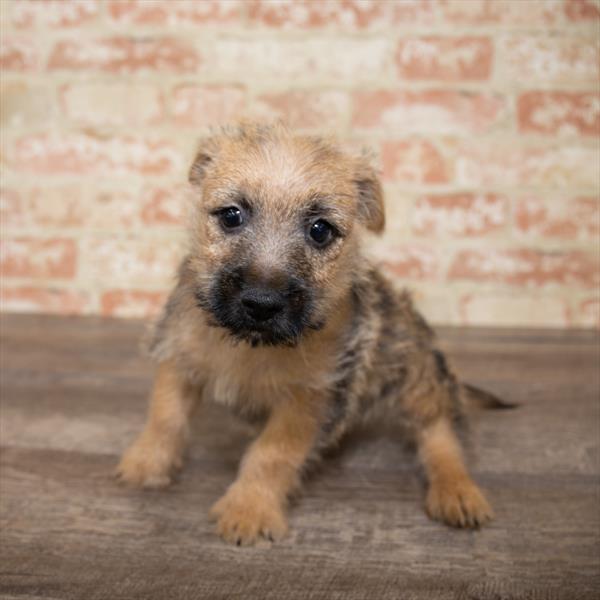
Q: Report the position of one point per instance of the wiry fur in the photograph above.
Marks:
(350, 348)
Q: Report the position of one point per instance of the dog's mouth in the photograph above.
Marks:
(258, 316)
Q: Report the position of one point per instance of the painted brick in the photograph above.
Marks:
(344, 14)
(207, 105)
(501, 12)
(50, 153)
(435, 111)
(12, 209)
(569, 219)
(588, 313)
(445, 58)
(304, 109)
(414, 161)
(174, 12)
(329, 59)
(549, 59)
(59, 206)
(131, 261)
(559, 112)
(582, 10)
(411, 262)
(459, 214)
(48, 206)
(30, 299)
(164, 206)
(527, 267)
(122, 104)
(513, 311)
(38, 257)
(53, 13)
(506, 162)
(125, 55)
(23, 104)
(131, 303)
(18, 54)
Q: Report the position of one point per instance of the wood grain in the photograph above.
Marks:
(73, 394)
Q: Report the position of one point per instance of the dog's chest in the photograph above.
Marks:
(254, 379)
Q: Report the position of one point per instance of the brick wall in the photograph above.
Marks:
(484, 116)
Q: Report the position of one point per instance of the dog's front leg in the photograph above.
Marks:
(158, 451)
(254, 505)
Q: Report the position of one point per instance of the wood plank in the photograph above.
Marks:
(73, 393)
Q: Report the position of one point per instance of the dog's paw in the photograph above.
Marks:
(148, 465)
(244, 516)
(458, 503)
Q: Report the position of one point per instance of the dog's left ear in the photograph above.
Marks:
(207, 152)
(371, 209)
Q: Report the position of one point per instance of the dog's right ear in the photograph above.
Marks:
(207, 152)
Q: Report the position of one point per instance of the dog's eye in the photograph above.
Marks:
(321, 232)
(231, 217)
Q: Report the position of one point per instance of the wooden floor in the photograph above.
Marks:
(73, 396)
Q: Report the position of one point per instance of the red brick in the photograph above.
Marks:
(549, 59)
(125, 55)
(304, 109)
(30, 299)
(35, 257)
(527, 267)
(17, 54)
(439, 111)
(131, 303)
(506, 162)
(498, 309)
(445, 58)
(207, 105)
(577, 218)
(112, 103)
(130, 261)
(163, 206)
(344, 14)
(174, 12)
(50, 153)
(411, 262)
(459, 214)
(501, 12)
(414, 161)
(559, 112)
(53, 13)
(582, 10)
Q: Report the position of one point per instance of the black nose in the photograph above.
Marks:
(262, 305)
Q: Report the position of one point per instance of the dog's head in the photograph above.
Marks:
(275, 233)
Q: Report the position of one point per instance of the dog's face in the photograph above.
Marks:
(275, 236)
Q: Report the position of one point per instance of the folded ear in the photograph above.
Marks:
(371, 209)
(207, 151)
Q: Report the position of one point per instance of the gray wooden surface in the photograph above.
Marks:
(73, 395)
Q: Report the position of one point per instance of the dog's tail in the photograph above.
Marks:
(482, 399)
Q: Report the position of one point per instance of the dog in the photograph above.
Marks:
(277, 312)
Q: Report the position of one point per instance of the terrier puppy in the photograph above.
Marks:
(276, 311)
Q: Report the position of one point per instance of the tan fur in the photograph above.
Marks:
(356, 350)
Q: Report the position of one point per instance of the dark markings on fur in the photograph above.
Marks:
(442, 367)
(347, 365)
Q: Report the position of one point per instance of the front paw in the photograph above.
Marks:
(148, 464)
(458, 503)
(244, 515)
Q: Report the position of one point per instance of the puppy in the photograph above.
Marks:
(277, 312)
